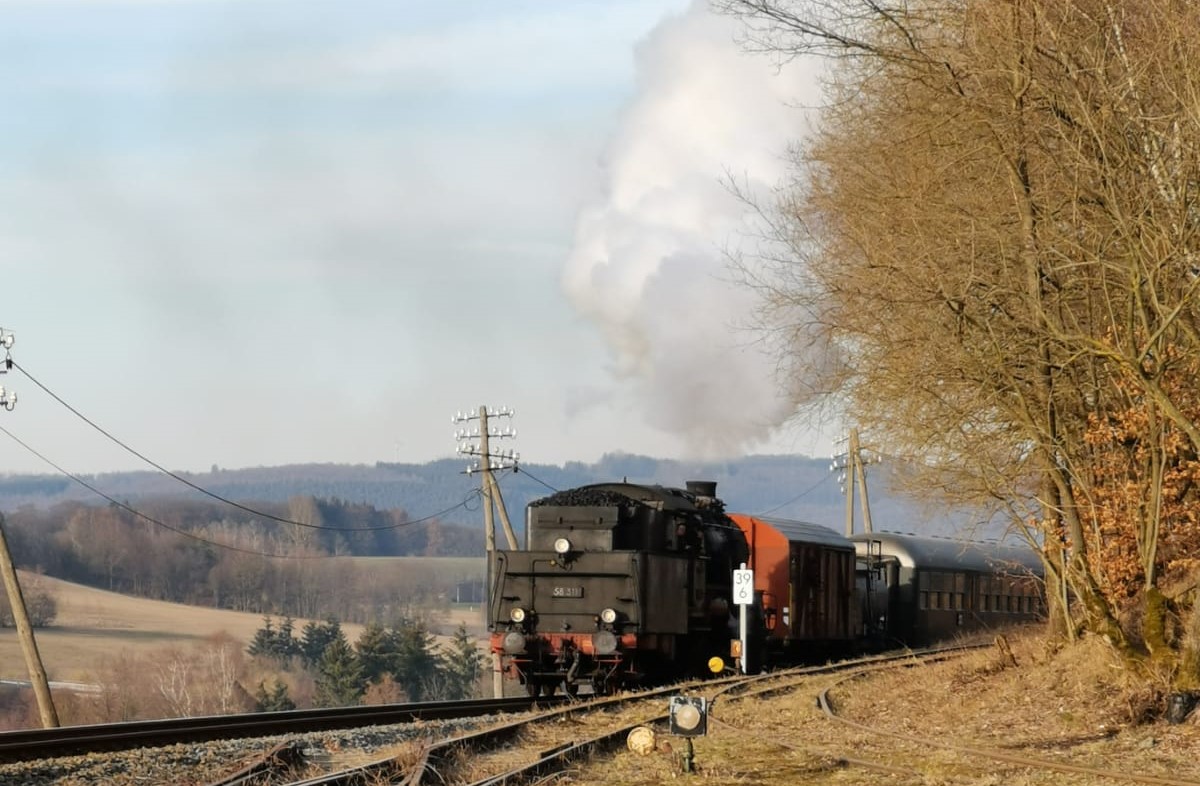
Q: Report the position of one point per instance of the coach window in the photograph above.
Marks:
(924, 599)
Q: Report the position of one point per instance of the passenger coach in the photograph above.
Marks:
(918, 590)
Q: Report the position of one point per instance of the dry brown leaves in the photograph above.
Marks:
(1063, 703)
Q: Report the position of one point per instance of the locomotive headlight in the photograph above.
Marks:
(608, 616)
(604, 642)
(514, 642)
(562, 546)
(517, 614)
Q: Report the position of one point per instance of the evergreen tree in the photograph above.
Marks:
(316, 638)
(416, 664)
(274, 700)
(377, 652)
(288, 647)
(340, 680)
(263, 643)
(462, 665)
(279, 645)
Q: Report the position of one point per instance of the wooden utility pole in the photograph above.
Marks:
(491, 490)
(860, 469)
(856, 474)
(490, 494)
(489, 526)
(33, 660)
(485, 487)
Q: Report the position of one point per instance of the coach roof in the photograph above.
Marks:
(803, 531)
(933, 553)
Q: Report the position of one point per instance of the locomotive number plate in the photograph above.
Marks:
(567, 592)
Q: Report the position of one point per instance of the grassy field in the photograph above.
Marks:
(92, 624)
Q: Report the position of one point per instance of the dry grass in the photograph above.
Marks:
(92, 623)
(1069, 704)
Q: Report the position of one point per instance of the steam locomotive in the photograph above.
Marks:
(621, 584)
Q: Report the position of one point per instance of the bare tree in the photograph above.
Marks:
(994, 228)
(175, 682)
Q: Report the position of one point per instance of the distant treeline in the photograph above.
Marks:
(794, 487)
(178, 558)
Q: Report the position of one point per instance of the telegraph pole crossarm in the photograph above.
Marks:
(488, 461)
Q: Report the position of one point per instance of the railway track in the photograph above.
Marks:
(508, 752)
(898, 756)
(549, 743)
(550, 735)
(26, 745)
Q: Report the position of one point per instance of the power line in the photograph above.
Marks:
(804, 493)
(190, 484)
(525, 470)
(151, 519)
(218, 544)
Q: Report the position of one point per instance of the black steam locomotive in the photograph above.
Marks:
(619, 584)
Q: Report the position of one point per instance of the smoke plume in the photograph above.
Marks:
(649, 263)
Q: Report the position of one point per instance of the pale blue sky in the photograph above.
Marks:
(262, 232)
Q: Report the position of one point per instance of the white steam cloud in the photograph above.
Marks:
(648, 263)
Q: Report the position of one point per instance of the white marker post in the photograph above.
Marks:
(743, 596)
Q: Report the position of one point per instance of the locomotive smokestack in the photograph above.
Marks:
(702, 488)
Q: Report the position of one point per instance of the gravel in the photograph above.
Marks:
(198, 763)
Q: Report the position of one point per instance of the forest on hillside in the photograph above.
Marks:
(210, 555)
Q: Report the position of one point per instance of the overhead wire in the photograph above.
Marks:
(196, 487)
(534, 477)
(796, 498)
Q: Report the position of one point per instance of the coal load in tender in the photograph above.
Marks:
(583, 497)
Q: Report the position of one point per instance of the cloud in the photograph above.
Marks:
(647, 263)
(514, 50)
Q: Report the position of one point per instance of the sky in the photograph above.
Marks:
(240, 233)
